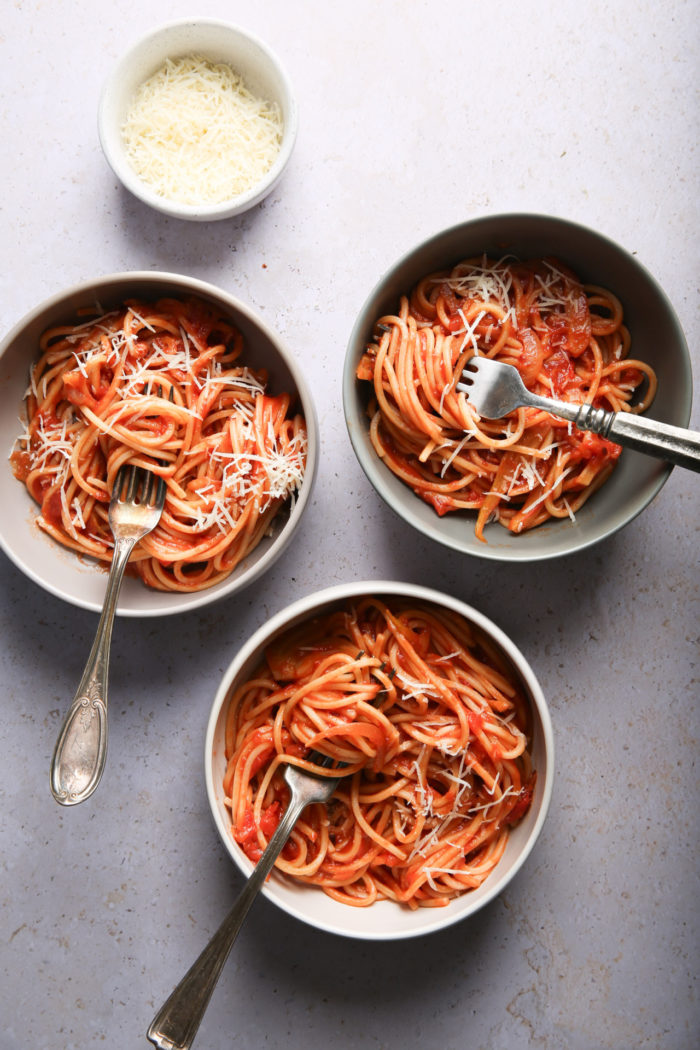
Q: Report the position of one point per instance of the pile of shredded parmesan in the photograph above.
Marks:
(196, 135)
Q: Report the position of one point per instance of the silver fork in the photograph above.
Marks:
(175, 1025)
(495, 389)
(79, 757)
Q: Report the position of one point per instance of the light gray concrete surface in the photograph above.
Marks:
(413, 117)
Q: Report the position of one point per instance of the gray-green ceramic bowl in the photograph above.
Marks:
(656, 338)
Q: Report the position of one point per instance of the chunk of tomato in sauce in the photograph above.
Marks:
(442, 504)
(593, 446)
(523, 801)
(559, 369)
(52, 508)
(246, 835)
(531, 357)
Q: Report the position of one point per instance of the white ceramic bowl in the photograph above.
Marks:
(216, 41)
(60, 571)
(656, 338)
(384, 920)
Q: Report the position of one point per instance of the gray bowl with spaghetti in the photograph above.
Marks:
(580, 318)
(173, 374)
(448, 747)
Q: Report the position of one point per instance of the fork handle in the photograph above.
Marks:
(674, 444)
(175, 1025)
(81, 748)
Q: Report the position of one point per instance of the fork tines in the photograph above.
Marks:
(137, 484)
(468, 375)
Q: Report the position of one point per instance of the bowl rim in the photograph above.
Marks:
(190, 600)
(110, 139)
(378, 473)
(306, 607)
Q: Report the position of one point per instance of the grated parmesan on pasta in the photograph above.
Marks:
(196, 134)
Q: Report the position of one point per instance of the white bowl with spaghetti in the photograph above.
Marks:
(57, 555)
(541, 504)
(198, 119)
(489, 652)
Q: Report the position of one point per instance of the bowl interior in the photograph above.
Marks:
(218, 42)
(384, 920)
(656, 338)
(59, 570)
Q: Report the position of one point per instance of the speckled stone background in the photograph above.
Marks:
(413, 117)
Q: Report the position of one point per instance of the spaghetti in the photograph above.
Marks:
(433, 733)
(567, 340)
(158, 385)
